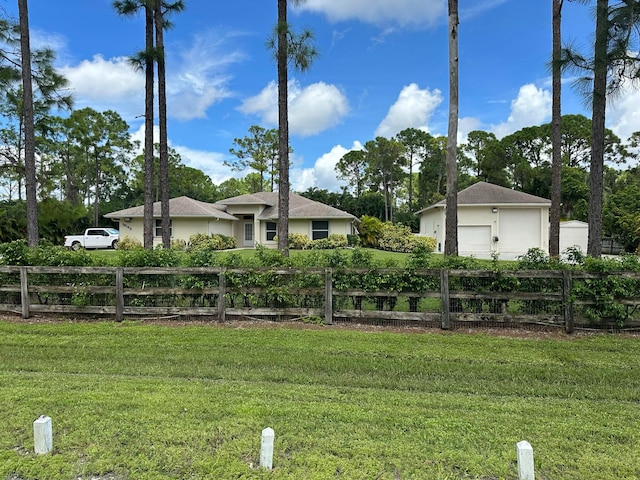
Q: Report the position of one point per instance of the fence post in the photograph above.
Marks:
(24, 292)
(266, 448)
(567, 287)
(328, 297)
(525, 461)
(444, 298)
(42, 435)
(119, 294)
(222, 307)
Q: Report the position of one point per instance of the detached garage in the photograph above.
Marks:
(492, 219)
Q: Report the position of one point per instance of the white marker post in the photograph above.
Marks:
(42, 435)
(525, 461)
(266, 448)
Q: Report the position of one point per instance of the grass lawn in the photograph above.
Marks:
(140, 401)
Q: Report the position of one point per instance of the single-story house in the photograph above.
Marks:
(250, 218)
(492, 219)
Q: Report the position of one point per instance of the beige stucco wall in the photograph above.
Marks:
(531, 224)
(183, 228)
(432, 223)
(303, 227)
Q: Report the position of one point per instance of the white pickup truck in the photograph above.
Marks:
(93, 238)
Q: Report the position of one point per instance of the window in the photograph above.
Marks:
(272, 230)
(158, 229)
(319, 229)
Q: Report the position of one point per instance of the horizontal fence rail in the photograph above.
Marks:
(438, 297)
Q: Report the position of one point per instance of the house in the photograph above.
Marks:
(250, 218)
(492, 219)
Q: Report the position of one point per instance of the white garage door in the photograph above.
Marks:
(519, 230)
(474, 240)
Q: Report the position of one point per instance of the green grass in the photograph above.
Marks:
(155, 402)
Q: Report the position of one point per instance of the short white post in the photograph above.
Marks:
(42, 435)
(266, 448)
(525, 461)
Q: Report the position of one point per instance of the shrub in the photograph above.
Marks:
(216, 241)
(399, 238)
(268, 257)
(14, 253)
(353, 240)
(535, 258)
(299, 241)
(425, 243)
(321, 244)
(337, 240)
(58, 256)
(141, 257)
(129, 243)
(370, 229)
(178, 244)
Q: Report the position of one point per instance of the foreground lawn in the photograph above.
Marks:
(137, 401)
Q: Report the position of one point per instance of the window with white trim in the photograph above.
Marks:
(272, 231)
(158, 229)
(319, 229)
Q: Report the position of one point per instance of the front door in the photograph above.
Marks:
(248, 234)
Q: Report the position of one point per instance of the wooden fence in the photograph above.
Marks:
(439, 297)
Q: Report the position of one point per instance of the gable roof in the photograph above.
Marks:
(299, 208)
(179, 207)
(483, 193)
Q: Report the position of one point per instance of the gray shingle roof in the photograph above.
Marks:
(299, 207)
(179, 207)
(483, 193)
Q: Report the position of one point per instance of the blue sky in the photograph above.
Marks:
(383, 67)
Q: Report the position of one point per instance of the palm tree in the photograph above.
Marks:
(611, 66)
(599, 104)
(556, 131)
(295, 48)
(145, 60)
(29, 129)
(161, 9)
(451, 220)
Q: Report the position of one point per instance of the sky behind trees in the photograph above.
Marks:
(382, 68)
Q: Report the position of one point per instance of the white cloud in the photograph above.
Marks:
(531, 107)
(195, 80)
(211, 163)
(471, 10)
(107, 84)
(199, 78)
(323, 174)
(466, 125)
(379, 12)
(312, 110)
(412, 109)
(623, 115)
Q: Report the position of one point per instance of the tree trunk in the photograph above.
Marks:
(96, 198)
(283, 131)
(162, 112)
(29, 130)
(451, 228)
(148, 130)
(594, 244)
(556, 132)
